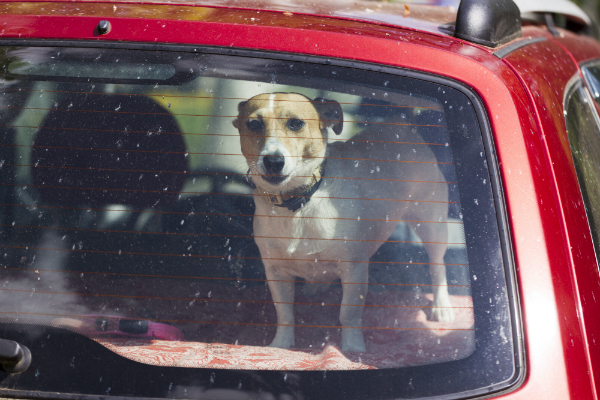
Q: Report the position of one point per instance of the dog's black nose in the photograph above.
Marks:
(274, 163)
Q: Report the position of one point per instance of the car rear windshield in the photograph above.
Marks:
(255, 224)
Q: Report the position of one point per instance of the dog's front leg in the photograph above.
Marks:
(355, 287)
(442, 307)
(282, 287)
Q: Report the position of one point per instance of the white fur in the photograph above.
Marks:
(271, 101)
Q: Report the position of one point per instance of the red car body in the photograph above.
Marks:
(557, 272)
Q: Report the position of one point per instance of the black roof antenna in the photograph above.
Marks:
(488, 22)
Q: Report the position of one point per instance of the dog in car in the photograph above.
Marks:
(323, 209)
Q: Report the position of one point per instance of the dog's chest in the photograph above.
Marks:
(308, 231)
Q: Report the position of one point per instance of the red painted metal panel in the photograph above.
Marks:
(582, 48)
(294, 14)
(546, 83)
(160, 13)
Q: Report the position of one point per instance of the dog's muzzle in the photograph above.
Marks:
(273, 166)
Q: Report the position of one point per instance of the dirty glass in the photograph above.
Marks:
(208, 212)
(584, 140)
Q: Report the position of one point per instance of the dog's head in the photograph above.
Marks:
(284, 137)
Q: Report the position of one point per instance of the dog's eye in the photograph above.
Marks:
(254, 124)
(295, 124)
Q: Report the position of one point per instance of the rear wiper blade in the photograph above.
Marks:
(14, 357)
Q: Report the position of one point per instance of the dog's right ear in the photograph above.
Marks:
(236, 122)
(331, 114)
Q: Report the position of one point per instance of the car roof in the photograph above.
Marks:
(422, 17)
(425, 16)
(428, 16)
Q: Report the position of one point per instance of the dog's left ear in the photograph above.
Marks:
(331, 114)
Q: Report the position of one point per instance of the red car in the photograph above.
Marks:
(349, 200)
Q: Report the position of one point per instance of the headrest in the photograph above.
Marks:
(97, 149)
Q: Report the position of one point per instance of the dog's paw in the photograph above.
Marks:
(442, 309)
(352, 340)
(442, 314)
(281, 344)
(283, 341)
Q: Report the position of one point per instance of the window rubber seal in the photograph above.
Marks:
(505, 51)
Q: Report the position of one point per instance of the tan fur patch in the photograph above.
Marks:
(275, 111)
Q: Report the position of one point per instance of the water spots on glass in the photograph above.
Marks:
(224, 208)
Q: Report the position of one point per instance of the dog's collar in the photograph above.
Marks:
(297, 198)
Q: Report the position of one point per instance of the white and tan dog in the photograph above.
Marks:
(353, 209)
